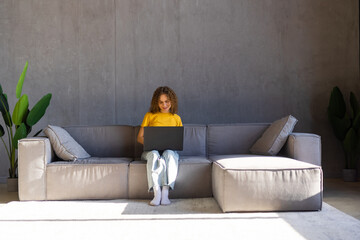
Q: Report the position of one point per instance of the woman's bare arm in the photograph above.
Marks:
(140, 137)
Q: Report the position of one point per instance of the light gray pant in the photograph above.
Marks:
(161, 170)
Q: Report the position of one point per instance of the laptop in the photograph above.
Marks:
(163, 138)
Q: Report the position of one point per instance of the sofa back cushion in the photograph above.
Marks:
(138, 146)
(65, 147)
(224, 139)
(105, 141)
(194, 141)
(274, 137)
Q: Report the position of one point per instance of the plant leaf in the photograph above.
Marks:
(340, 126)
(20, 110)
(28, 129)
(7, 118)
(350, 144)
(4, 106)
(356, 122)
(350, 141)
(19, 134)
(37, 133)
(354, 104)
(38, 111)
(337, 106)
(1, 91)
(21, 81)
(2, 132)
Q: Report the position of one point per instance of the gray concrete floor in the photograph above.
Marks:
(344, 196)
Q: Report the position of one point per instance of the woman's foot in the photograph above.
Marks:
(157, 196)
(165, 196)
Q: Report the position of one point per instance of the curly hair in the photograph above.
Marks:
(154, 106)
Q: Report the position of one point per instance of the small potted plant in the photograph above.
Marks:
(346, 127)
(19, 124)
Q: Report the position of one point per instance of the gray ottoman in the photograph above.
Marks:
(244, 183)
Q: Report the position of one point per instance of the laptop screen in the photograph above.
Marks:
(163, 138)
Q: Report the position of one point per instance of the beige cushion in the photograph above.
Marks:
(71, 181)
(64, 145)
(247, 183)
(274, 137)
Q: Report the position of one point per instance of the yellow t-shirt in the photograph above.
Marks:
(161, 120)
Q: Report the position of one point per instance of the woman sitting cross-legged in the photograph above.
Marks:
(162, 166)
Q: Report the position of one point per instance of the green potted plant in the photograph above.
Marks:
(19, 124)
(346, 127)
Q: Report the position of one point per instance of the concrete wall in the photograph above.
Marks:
(229, 61)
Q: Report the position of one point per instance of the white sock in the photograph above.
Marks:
(165, 196)
(157, 196)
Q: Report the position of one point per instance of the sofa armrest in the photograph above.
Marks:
(305, 147)
(33, 155)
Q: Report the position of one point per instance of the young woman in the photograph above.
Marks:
(161, 167)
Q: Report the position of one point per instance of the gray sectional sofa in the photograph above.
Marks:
(215, 163)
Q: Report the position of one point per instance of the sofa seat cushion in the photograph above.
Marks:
(193, 179)
(258, 162)
(193, 160)
(243, 183)
(92, 178)
(96, 160)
